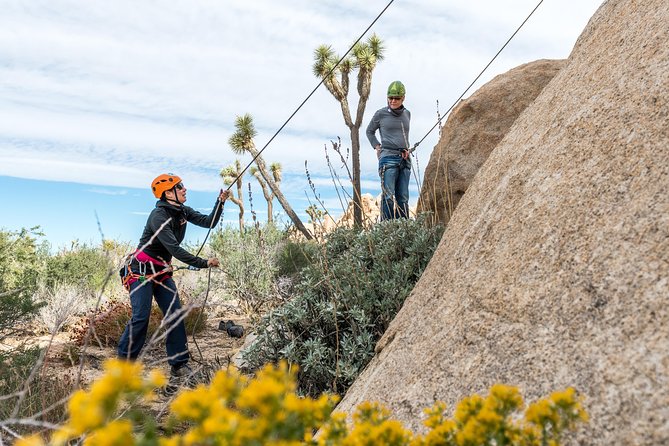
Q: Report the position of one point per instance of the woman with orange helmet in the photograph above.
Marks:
(149, 273)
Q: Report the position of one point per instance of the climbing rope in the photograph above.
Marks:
(477, 77)
(334, 67)
(219, 203)
(299, 107)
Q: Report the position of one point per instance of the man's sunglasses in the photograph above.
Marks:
(179, 186)
(394, 98)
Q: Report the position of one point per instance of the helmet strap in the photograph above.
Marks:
(176, 197)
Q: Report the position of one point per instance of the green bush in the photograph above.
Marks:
(248, 262)
(82, 265)
(292, 256)
(344, 302)
(21, 263)
(43, 392)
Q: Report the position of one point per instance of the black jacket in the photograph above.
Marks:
(166, 243)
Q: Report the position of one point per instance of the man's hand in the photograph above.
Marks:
(378, 151)
(224, 195)
(213, 263)
(404, 154)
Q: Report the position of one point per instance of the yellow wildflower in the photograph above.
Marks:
(570, 403)
(467, 408)
(116, 433)
(506, 398)
(472, 433)
(334, 430)
(435, 414)
(489, 417)
(440, 434)
(175, 440)
(227, 384)
(370, 412)
(85, 413)
(540, 413)
(262, 394)
(157, 378)
(33, 440)
(193, 405)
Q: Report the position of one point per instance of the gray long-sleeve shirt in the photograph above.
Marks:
(394, 130)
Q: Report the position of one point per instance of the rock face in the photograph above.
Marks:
(473, 129)
(554, 270)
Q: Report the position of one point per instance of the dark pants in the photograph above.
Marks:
(395, 174)
(134, 336)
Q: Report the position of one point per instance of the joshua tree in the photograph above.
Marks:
(364, 59)
(275, 168)
(233, 174)
(242, 141)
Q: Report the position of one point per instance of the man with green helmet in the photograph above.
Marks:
(392, 122)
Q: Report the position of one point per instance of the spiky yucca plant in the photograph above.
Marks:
(242, 141)
(365, 56)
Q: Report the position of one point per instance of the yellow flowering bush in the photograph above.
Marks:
(239, 411)
(492, 420)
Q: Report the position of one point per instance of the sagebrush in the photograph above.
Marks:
(343, 302)
(248, 265)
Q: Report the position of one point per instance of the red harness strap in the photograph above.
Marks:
(159, 268)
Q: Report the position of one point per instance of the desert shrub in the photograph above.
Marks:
(82, 265)
(108, 323)
(41, 393)
(343, 302)
(21, 263)
(266, 410)
(61, 304)
(110, 320)
(196, 320)
(248, 264)
(292, 256)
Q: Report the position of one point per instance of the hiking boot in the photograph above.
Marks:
(181, 371)
(180, 376)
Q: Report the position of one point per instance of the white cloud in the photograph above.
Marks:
(111, 93)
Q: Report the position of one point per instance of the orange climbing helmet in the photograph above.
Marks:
(164, 182)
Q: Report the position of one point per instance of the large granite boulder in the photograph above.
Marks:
(554, 270)
(473, 129)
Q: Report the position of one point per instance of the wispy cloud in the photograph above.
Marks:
(112, 93)
(108, 191)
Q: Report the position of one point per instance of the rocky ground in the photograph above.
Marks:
(211, 350)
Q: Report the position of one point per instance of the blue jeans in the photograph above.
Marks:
(134, 336)
(395, 174)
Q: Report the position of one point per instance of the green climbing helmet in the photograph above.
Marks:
(396, 88)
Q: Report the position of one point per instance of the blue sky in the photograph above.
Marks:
(97, 98)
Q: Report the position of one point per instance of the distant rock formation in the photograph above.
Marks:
(554, 270)
(473, 129)
(370, 212)
(326, 224)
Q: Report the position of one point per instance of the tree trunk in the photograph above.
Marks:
(357, 198)
(270, 209)
(262, 168)
(241, 206)
(268, 196)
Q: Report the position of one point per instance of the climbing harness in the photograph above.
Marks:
(142, 273)
(129, 276)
